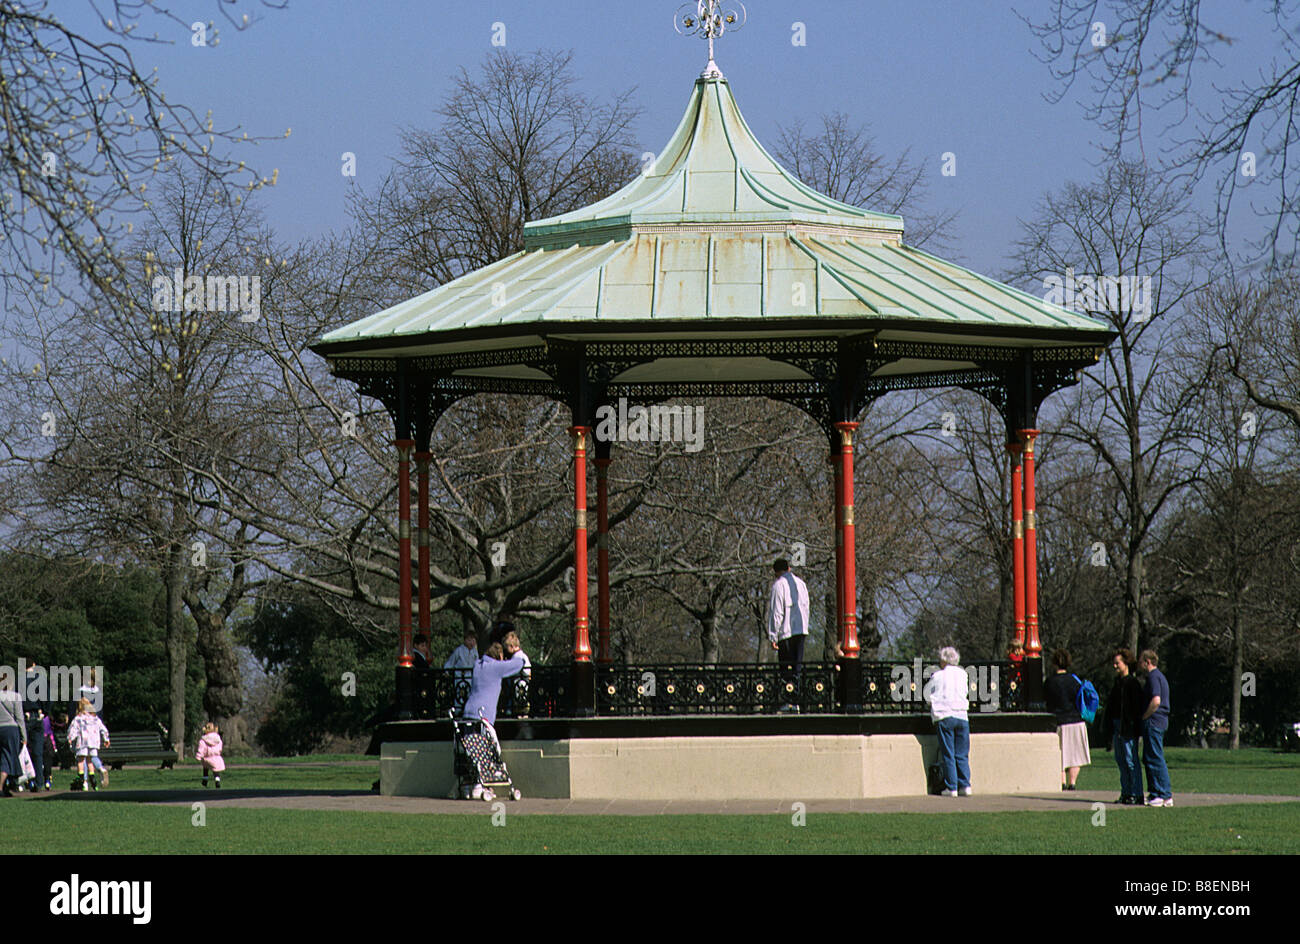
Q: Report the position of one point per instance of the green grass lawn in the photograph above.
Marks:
(1250, 770)
(103, 827)
(54, 826)
(321, 773)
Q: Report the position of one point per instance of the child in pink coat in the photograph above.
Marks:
(209, 754)
(87, 735)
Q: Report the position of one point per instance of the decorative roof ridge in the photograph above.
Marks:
(712, 168)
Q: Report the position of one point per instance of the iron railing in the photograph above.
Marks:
(744, 689)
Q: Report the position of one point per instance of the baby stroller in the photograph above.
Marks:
(477, 757)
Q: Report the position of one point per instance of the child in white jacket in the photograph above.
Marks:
(87, 734)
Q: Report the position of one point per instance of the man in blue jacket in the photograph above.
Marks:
(1155, 722)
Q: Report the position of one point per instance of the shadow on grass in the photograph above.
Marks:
(190, 795)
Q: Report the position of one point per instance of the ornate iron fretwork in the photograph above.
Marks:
(465, 386)
(775, 389)
(935, 351)
(627, 691)
(970, 379)
(531, 355)
(712, 347)
(1077, 356)
(896, 688)
(1048, 380)
(839, 382)
(816, 407)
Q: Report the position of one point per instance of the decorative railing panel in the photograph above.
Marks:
(626, 691)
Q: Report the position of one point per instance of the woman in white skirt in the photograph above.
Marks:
(1062, 691)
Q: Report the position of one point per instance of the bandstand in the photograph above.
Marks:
(715, 273)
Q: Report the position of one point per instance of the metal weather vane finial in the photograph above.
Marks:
(709, 19)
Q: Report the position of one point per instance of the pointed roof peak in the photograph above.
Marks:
(710, 19)
(713, 171)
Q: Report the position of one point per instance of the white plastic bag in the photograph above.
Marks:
(25, 762)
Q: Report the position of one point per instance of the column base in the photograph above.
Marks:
(584, 689)
(1035, 699)
(848, 686)
(405, 692)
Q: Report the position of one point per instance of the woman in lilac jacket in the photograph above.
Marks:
(485, 687)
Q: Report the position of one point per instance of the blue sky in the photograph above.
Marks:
(930, 76)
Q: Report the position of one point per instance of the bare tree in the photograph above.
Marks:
(1239, 521)
(135, 407)
(1126, 248)
(515, 144)
(84, 130)
(1253, 332)
(841, 161)
(1145, 61)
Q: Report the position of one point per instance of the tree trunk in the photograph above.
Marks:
(1133, 599)
(869, 638)
(1002, 628)
(177, 649)
(832, 625)
(223, 699)
(709, 637)
(1238, 665)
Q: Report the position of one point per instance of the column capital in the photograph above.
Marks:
(424, 457)
(580, 436)
(846, 429)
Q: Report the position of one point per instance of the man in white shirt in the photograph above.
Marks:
(787, 628)
(465, 655)
(947, 691)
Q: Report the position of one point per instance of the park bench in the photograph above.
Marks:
(131, 746)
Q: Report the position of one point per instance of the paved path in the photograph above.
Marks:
(357, 801)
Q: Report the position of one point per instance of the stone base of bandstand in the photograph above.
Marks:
(728, 757)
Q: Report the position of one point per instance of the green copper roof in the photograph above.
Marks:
(715, 234)
(712, 170)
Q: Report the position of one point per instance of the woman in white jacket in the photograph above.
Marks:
(947, 692)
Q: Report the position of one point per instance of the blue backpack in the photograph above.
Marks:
(1086, 700)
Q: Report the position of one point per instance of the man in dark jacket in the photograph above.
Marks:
(1123, 726)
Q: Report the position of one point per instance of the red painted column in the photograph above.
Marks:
(602, 560)
(837, 497)
(1033, 649)
(581, 632)
(1017, 549)
(849, 603)
(422, 460)
(405, 656)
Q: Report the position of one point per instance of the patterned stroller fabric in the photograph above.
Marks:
(478, 757)
(485, 756)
